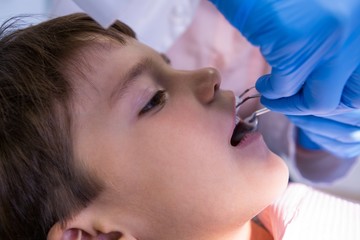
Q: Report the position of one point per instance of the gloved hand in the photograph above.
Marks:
(313, 47)
(338, 134)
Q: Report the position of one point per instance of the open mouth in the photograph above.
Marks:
(240, 131)
(242, 127)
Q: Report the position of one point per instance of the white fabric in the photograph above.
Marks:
(303, 213)
(157, 23)
(104, 11)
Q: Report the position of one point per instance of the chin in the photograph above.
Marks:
(280, 175)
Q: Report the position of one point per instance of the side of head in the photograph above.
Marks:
(100, 137)
(40, 182)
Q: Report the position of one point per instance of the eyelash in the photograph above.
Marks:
(158, 100)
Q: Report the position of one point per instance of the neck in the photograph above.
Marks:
(259, 233)
(249, 231)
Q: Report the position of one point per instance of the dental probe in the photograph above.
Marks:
(252, 120)
(250, 123)
(246, 126)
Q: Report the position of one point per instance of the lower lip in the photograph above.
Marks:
(249, 139)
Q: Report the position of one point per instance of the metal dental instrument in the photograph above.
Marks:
(244, 99)
(251, 120)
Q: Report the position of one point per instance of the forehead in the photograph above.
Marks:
(102, 63)
(103, 54)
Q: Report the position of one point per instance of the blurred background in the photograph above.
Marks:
(38, 9)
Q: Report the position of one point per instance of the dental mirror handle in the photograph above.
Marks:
(261, 111)
(252, 119)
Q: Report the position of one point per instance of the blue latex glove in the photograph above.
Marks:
(313, 47)
(338, 134)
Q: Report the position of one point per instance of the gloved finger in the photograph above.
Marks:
(304, 141)
(327, 128)
(272, 86)
(285, 82)
(351, 93)
(287, 106)
(294, 62)
(321, 93)
(323, 90)
(344, 150)
(352, 118)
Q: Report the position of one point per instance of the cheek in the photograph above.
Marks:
(184, 143)
(180, 169)
(188, 167)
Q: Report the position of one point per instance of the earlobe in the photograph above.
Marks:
(54, 233)
(57, 233)
(89, 224)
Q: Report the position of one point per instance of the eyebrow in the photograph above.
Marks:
(144, 65)
(165, 58)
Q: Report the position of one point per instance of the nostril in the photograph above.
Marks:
(215, 77)
(207, 83)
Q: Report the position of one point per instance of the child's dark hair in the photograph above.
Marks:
(40, 184)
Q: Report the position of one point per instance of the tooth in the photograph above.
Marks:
(237, 119)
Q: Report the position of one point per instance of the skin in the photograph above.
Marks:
(170, 171)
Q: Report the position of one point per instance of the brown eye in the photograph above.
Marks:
(158, 100)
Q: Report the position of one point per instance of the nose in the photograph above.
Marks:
(206, 82)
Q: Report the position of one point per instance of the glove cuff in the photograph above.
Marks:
(305, 142)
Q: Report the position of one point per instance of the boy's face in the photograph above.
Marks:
(159, 138)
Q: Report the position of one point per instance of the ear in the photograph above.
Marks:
(57, 233)
(90, 223)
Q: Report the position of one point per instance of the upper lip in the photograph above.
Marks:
(231, 100)
(234, 110)
(233, 116)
